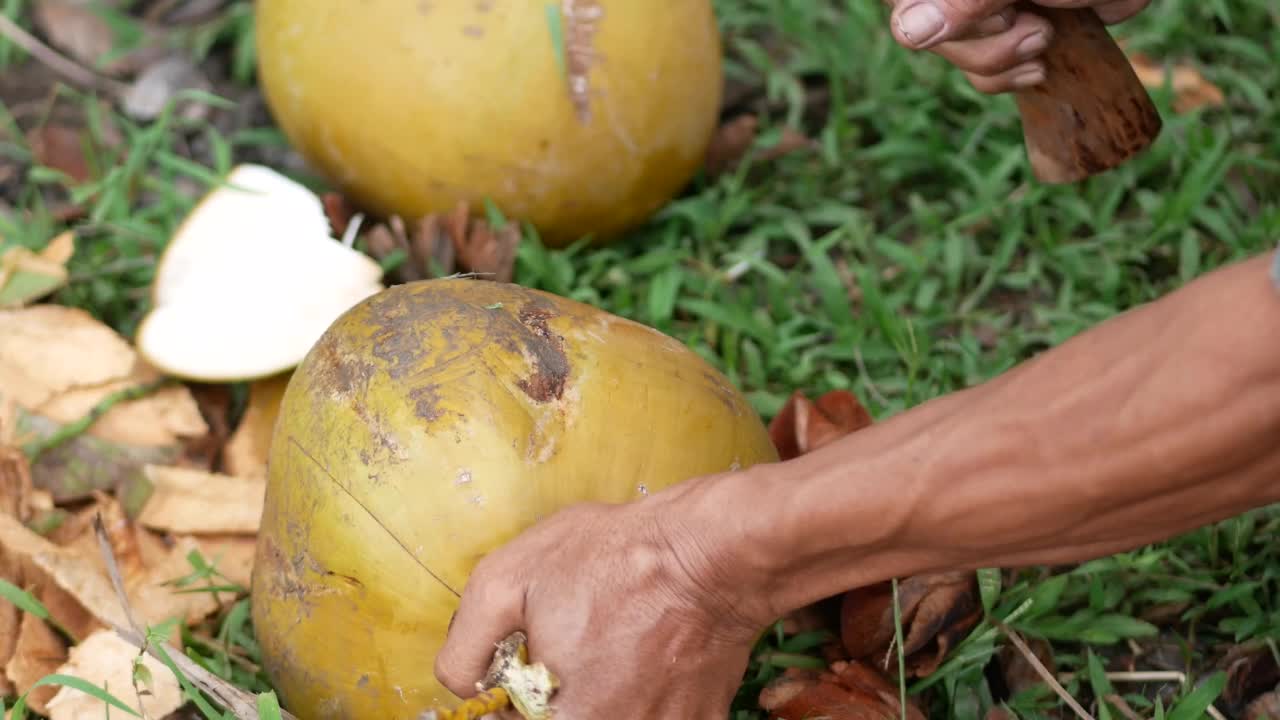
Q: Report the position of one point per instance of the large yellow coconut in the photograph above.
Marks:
(579, 116)
(433, 422)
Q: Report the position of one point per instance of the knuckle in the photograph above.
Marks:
(966, 12)
(985, 85)
(973, 59)
(447, 673)
(485, 589)
(988, 64)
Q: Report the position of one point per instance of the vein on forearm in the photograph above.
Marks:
(1136, 414)
(1151, 424)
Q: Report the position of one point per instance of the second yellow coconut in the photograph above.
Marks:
(582, 117)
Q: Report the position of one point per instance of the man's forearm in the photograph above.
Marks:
(1151, 424)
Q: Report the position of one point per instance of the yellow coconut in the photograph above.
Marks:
(582, 117)
(432, 423)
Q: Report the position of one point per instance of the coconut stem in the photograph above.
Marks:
(512, 682)
(490, 701)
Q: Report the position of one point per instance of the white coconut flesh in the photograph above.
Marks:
(250, 281)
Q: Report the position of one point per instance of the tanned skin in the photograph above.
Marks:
(996, 47)
(1152, 424)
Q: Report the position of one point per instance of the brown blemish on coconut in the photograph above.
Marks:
(581, 23)
(546, 348)
(397, 341)
(282, 577)
(339, 374)
(426, 400)
(402, 321)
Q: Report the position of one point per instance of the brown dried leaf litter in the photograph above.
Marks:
(937, 610)
(59, 362)
(57, 365)
(1191, 90)
(27, 275)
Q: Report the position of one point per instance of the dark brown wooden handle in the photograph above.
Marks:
(1092, 113)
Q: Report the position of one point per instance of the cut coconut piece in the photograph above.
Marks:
(250, 281)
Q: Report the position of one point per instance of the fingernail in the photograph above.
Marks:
(1032, 45)
(1029, 78)
(920, 23)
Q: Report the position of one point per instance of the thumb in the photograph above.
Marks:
(922, 24)
(490, 610)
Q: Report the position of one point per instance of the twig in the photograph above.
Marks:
(902, 655)
(190, 675)
(113, 569)
(1041, 670)
(241, 704)
(1122, 706)
(35, 448)
(866, 378)
(56, 61)
(1145, 676)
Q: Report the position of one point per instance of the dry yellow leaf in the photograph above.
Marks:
(26, 276)
(154, 600)
(80, 573)
(106, 660)
(193, 502)
(61, 248)
(15, 488)
(15, 483)
(245, 454)
(67, 568)
(1191, 90)
(10, 622)
(146, 564)
(231, 555)
(60, 362)
(39, 652)
(129, 543)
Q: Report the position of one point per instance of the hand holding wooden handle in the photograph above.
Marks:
(1091, 114)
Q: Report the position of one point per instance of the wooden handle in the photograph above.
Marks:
(1091, 114)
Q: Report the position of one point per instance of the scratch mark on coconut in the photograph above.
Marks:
(305, 453)
(720, 387)
(350, 580)
(582, 18)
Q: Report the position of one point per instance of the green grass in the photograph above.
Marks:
(908, 256)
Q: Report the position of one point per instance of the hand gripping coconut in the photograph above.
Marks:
(433, 422)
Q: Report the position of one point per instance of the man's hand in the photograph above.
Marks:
(625, 604)
(995, 46)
